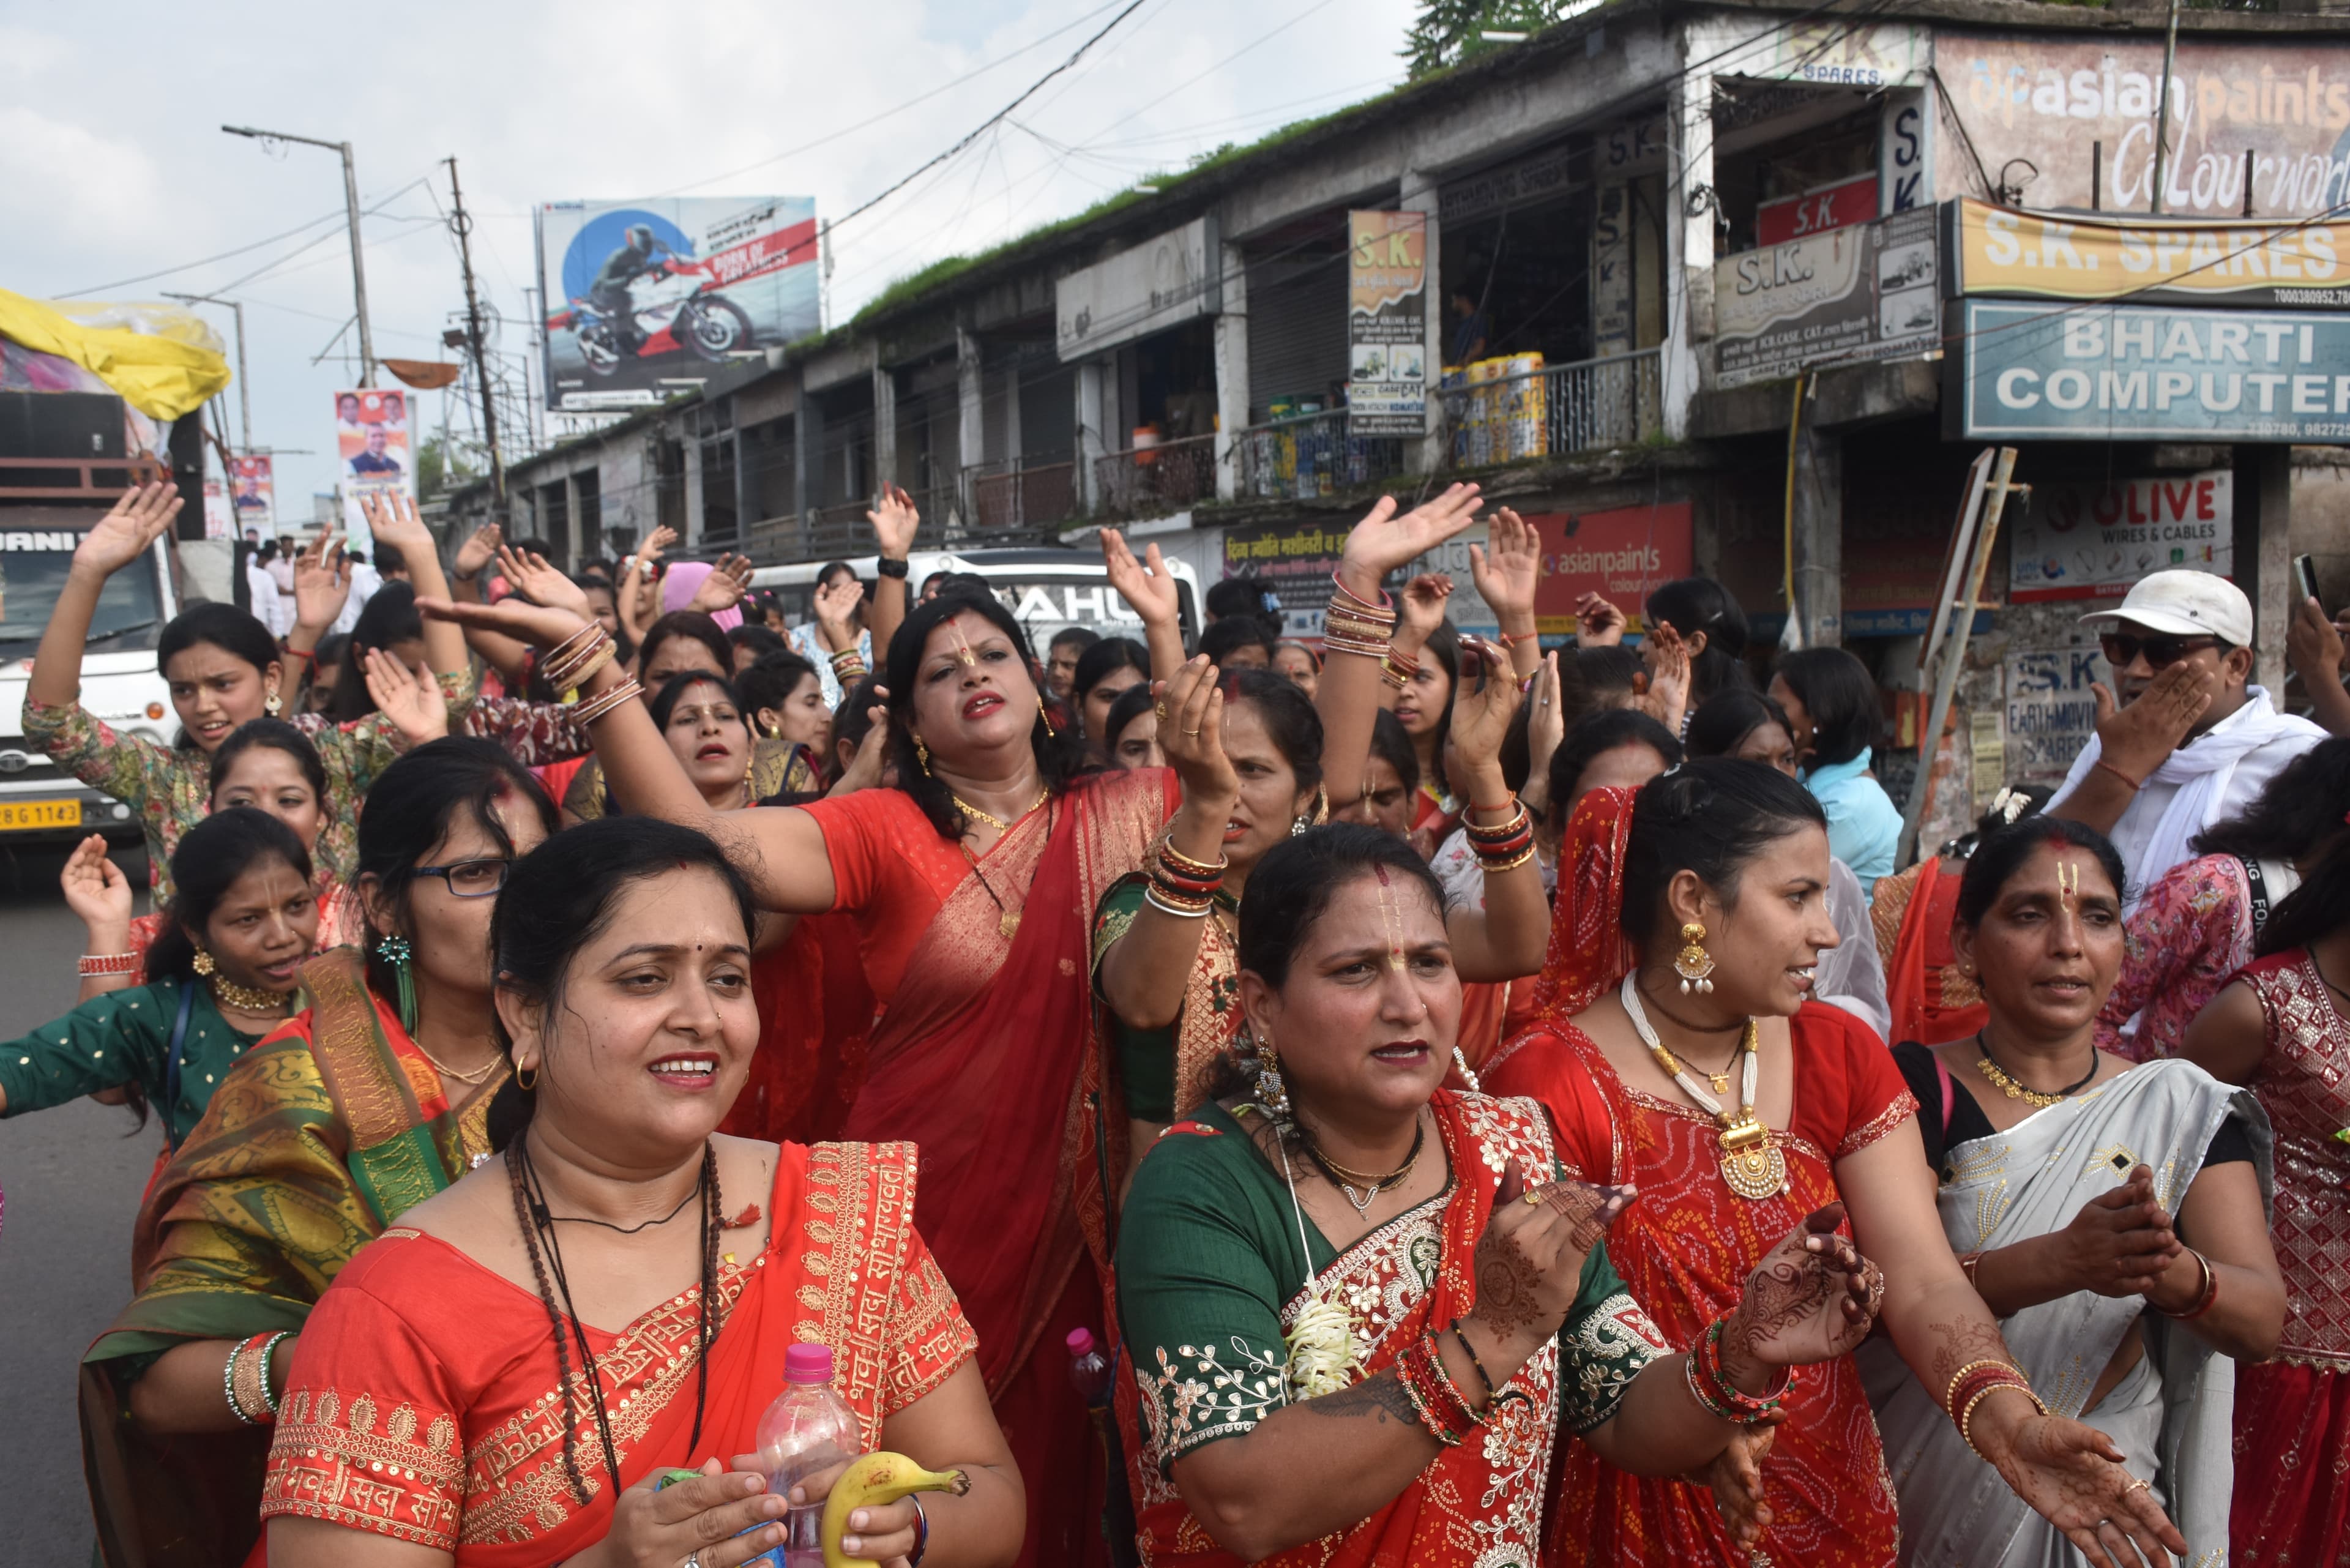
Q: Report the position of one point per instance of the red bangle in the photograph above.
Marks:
(94, 964)
(1511, 639)
(2106, 767)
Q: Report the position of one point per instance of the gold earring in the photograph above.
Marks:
(1693, 963)
(526, 1085)
(272, 703)
(923, 755)
(204, 964)
(1046, 714)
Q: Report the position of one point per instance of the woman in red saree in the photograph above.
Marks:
(503, 1378)
(1728, 860)
(971, 885)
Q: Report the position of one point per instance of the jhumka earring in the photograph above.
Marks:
(395, 951)
(923, 755)
(1693, 963)
(1271, 1092)
(272, 703)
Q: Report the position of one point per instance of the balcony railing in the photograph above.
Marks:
(1311, 455)
(1556, 410)
(1014, 494)
(1153, 480)
(837, 531)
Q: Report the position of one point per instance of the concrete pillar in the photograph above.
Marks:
(970, 390)
(1818, 609)
(1088, 381)
(746, 488)
(2264, 553)
(808, 455)
(1688, 235)
(885, 428)
(1418, 194)
(1231, 370)
(691, 445)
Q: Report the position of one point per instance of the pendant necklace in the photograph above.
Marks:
(992, 820)
(1752, 1165)
(1720, 1081)
(2004, 1083)
(1346, 1180)
(1007, 921)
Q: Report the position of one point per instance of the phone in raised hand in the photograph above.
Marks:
(2305, 578)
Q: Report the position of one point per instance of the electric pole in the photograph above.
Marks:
(243, 388)
(351, 215)
(464, 227)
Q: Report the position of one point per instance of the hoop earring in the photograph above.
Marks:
(204, 964)
(526, 1085)
(395, 951)
(1693, 963)
(1271, 1092)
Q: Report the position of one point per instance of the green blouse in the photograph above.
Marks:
(1208, 1256)
(119, 1037)
(1146, 1057)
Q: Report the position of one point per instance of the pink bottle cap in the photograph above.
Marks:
(1081, 1341)
(808, 1364)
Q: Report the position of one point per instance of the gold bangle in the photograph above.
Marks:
(1950, 1389)
(1967, 1415)
(1190, 867)
(604, 702)
(574, 681)
(251, 1396)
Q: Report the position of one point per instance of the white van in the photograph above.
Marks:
(119, 681)
(1047, 589)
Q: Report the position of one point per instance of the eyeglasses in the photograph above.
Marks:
(2161, 651)
(469, 879)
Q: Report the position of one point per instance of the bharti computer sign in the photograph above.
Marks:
(644, 298)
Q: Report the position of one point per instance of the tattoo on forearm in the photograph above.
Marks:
(1379, 1395)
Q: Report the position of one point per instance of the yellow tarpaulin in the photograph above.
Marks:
(165, 372)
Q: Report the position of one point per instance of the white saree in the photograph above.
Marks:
(2170, 1414)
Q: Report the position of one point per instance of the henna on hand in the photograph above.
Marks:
(1509, 1284)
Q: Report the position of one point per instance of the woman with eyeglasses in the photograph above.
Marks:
(358, 1109)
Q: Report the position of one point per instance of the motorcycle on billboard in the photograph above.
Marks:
(671, 306)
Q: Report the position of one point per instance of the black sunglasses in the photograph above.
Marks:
(2161, 650)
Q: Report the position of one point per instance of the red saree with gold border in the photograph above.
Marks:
(424, 1402)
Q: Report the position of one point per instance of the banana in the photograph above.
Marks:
(870, 1481)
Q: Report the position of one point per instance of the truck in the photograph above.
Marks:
(63, 464)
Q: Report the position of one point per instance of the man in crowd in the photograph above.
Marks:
(1069, 645)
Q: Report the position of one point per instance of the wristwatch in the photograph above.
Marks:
(888, 567)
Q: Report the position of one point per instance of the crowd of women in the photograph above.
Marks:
(1489, 1107)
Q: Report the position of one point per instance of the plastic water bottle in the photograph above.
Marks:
(808, 1428)
(1089, 1371)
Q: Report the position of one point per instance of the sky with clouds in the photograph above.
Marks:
(112, 165)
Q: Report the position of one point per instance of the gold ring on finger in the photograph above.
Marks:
(2138, 1486)
(1160, 709)
(1533, 1197)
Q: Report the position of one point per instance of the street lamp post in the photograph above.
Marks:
(351, 210)
(243, 388)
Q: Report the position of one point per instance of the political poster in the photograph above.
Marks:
(218, 519)
(1387, 323)
(1866, 292)
(371, 453)
(253, 487)
(2093, 540)
(2108, 372)
(1621, 554)
(644, 298)
(2069, 256)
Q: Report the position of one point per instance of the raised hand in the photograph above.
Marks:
(1811, 1299)
(137, 519)
(2074, 1478)
(1420, 608)
(1529, 1262)
(2138, 738)
(322, 584)
(869, 767)
(723, 590)
(2121, 1241)
(1146, 584)
(415, 708)
(478, 551)
(528, 574)
(1667, 658)
(392, 517)
(97, 892)
(1382, 541)
(1190, 710)
(1597, 623)
(895, 520)
(1481, 712)
(1547, 727)
(544, 626)
(1507, 568)
(657, 543)
(836, 608)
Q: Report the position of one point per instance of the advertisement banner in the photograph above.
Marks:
(2093, 540)
(371, 452)
(2046, 255)
(1816, 211)
(218, 524)
(255, 489)
(1620, 555)
(1294, 560)
(2112, 371)
(1387, 323)
(2050, 102)
(642, 297)
(1868, 292)
(2051, 712)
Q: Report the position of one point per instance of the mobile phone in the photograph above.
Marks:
(2304, 576)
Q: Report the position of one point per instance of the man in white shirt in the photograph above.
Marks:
(2191, 740)
(365, 580)
(270, 607)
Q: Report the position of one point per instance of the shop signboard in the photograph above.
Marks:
(1387, 323)
(253, 487)
(2052, 103)
(1867, 292)
(1611, 271)
(1833, 52)
(2106, 372)
(2051, 712)
(2052, 256)
(1156, 284)
(1838, 205)
(2093, 540)
(1294, 561)
(643, 298)
(1621, 554)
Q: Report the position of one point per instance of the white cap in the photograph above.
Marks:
(2183, 603)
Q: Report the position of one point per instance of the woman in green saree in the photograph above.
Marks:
(358, 1109)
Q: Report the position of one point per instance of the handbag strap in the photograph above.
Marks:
(177, 1050)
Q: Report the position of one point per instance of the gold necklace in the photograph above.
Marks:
(995, 821)
(1751, 1164)
(247, 998)
(2000, 1079)
(446, 1071)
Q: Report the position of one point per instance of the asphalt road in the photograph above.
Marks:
(72, 1181)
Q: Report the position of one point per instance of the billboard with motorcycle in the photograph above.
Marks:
(642, 297)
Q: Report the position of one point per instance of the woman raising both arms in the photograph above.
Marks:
(502, 1379)
(972, 883)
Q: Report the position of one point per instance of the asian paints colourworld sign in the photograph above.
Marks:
(2105, 371)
